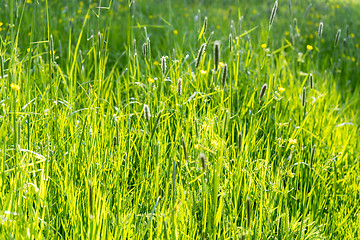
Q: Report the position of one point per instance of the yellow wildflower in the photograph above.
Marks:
(281, 89)
(309, 47)
(292, 141)
(290, 174)
(15, 87)
(203, 72)
(221, 64)
(151, 80)
(214, 143)
(1, 24)
(28, 1)
(263, 45)
(156, 63)
(175, 32)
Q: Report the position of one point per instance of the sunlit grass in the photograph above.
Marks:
(179, 121)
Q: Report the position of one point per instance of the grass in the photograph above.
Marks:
(99, 140)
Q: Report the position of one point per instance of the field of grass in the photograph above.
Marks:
(179, 119)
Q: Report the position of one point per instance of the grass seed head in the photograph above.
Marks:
(163, 65)
(144, 50)
(200, 53)
(337, 37)
(290, 6)
(248, 211)
(203, 161)
(224, 75)
(304, 96)
(147, 113)
(262, 92)
(216, 54)
(91, 205)
(230, 42)
(241, 18)
(184, 147)
(134, 46)
(295, 26)
(179, 87)
(320, 29)
(240, 139)
(148, 48)
(273, 14)
(311, 80)
(205, 24)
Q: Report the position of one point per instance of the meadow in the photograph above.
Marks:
(164, 119)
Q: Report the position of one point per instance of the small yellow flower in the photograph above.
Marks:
(337, 6)
(151, 80)
(29, 50)
(79, 11)
(203, 72)
(28, 1)
(175, 32)
(352, 35)
(218, 26)
(15, 87)
(151, 16)
(353, 59)
(290, 174)
(1, 24)
(281, 89)
(156, 63)
(221, 64)
(263, 45)
(309, 47)
(254, 11)
(287, 33)
(214, 143)
(357, 45)
(311, 36)
(292, 141)
(322, 40)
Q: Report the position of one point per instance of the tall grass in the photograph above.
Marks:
(100, 141)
